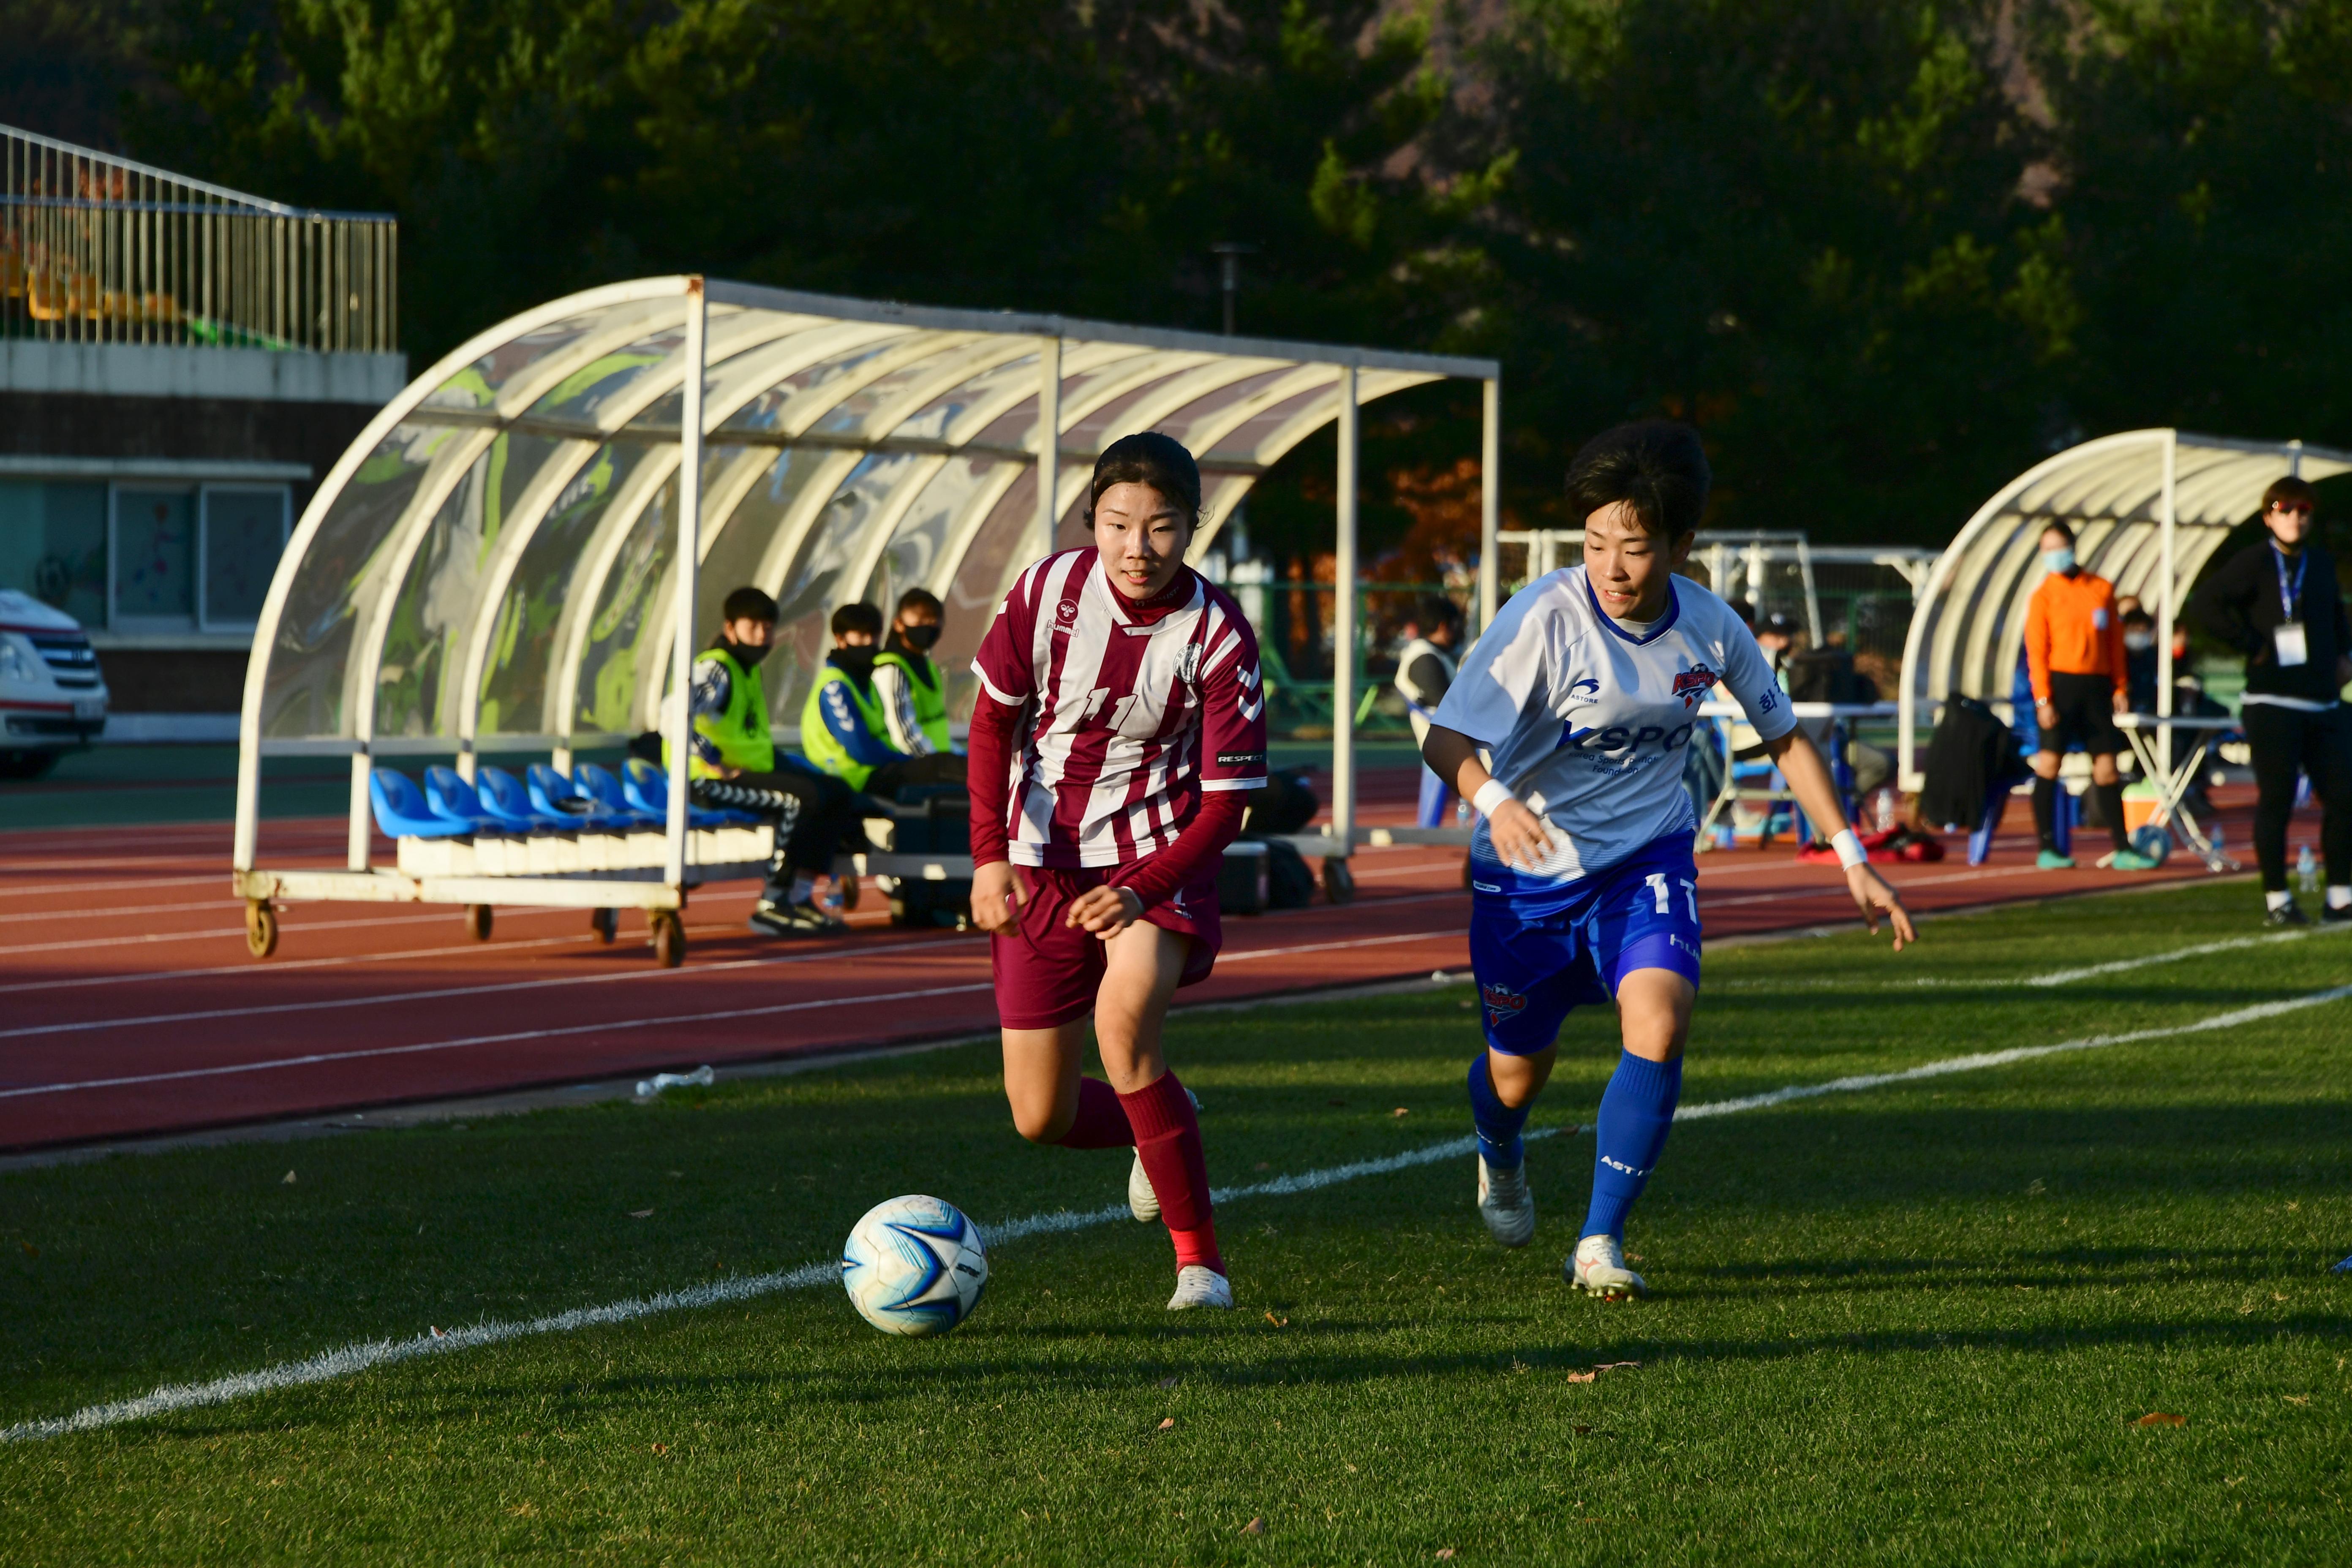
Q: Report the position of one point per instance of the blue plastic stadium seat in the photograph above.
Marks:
(556, 795)
(647, 789)
(400, 811)
(601, 786)
(453, 800)
(503, 796)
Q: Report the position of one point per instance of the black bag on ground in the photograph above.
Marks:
(1971, 754)
(1284, 805)
(942, 827)
(1289, 884)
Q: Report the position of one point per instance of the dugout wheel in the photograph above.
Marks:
(669, 937)
(1338, 883)
(849, 886)
(605, 923)
(478, 921)
(261, 927)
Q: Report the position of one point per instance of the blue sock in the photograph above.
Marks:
(1499, 1125)
(1636, 1110)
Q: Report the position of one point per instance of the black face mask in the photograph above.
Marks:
(919, 636)
(858, 662)
(749, 658)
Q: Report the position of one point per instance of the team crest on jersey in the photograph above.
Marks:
(1693, 685)
(1066, 614)
(1502, 1003)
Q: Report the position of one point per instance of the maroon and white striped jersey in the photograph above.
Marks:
(1135, 709)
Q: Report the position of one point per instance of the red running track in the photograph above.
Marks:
(129, 1006)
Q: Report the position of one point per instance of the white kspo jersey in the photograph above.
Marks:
(1135, 710)
(1587, 722)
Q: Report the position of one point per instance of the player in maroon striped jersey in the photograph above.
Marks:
(1120, 721)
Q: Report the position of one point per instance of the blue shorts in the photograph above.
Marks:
(1641, 913)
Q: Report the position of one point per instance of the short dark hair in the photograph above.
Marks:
(2063, 529)
(2136, 616)
(919, 599)
(2290, 487)
(748, 603)
(1657, 466)
(858, 617)
(1148, 457)
(1430, 611)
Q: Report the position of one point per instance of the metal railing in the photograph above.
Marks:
(96, 248)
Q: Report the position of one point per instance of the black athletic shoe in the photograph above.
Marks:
(2287, 914)
(2332, 916)
(795, 920)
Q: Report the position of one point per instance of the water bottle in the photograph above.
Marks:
(2306, 871)
(649, 1087)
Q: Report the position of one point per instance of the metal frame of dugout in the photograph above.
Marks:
(910, 444)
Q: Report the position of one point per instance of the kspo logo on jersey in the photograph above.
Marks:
(1693, 685)
(1621, 738)
(1502, 1003)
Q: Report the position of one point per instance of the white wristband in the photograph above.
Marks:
(1491, 794)
(1850, 852)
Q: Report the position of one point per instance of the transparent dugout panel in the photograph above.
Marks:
(912, 557)
(477, 385)
(609, 698)
(814, 585)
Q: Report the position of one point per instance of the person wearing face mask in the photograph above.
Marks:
(844, 727)
(2279, 603)
(2074, 660)
(2140, 659)
(914, 696)
(735, 765)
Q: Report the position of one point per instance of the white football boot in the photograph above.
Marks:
(1200, 1286)
(1599, 1269)
(1506, 1205)
(1142, 1202)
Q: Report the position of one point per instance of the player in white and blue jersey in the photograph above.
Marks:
(1583, 694)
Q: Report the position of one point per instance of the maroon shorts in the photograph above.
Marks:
(1047, 973)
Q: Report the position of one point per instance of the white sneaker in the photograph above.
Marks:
(1198, 1285)
(1506, 1205)
(1599, 1267)
(1141, 1200)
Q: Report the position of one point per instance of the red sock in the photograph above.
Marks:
(1168, 1139)
(1101, 1122)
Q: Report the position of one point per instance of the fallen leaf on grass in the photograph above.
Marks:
(30, 1250)
(1445, 1553)
(2296, 1398)
(661, 1447)
(287, 1179)
(2161, 1418)
(1582, 1376)
(1400, 1111)
(522, 1510)
(1169, 1382)
(1254, 1527)
(437, 1333)
(1277, 1322)
(1166, 1424)
(641, 1214)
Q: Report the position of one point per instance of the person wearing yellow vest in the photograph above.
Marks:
(913, 691)
(735, 765)
(843, 727)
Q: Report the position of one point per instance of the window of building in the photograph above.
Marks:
(245, 528)
(53, 544)
(152, 557)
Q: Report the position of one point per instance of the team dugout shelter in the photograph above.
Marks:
(2149, 508)
(519, 557)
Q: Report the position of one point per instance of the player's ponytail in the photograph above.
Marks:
(1148, 457)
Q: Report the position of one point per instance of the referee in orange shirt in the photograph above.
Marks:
(2075, 654)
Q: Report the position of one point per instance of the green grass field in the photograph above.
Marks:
(1917, 1322)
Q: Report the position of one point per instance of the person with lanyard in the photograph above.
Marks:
(735, 765)
(914, 695)
(843, 727)
(2279, 603)
(2074, 664)
(1424, 670)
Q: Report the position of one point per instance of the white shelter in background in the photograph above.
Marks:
(2149, 508)
(524, 550)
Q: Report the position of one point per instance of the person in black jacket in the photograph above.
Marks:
(2279, 603)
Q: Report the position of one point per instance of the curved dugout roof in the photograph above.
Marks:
(491, 565)
(2118, 492)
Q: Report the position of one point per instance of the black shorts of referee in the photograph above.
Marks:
(2086, 715)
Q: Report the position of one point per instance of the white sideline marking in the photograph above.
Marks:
(2054, 977)
(862, 999)
(358, 1357)
(2002, 1059)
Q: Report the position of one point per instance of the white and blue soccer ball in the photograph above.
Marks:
(914, 1266)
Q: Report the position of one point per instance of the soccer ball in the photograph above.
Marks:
(914, 1266)
(2154, 842)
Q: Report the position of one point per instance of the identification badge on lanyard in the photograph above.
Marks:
(2291, 649)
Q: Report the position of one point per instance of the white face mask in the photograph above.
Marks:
(2139, 642)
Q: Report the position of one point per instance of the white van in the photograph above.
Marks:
(51, 695)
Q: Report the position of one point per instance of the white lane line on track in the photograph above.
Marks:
(354, 1359)
(351, 1360)
(674, 1019)
(291, 928)
(331, 1003)
(193, 905)
(103, 885)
